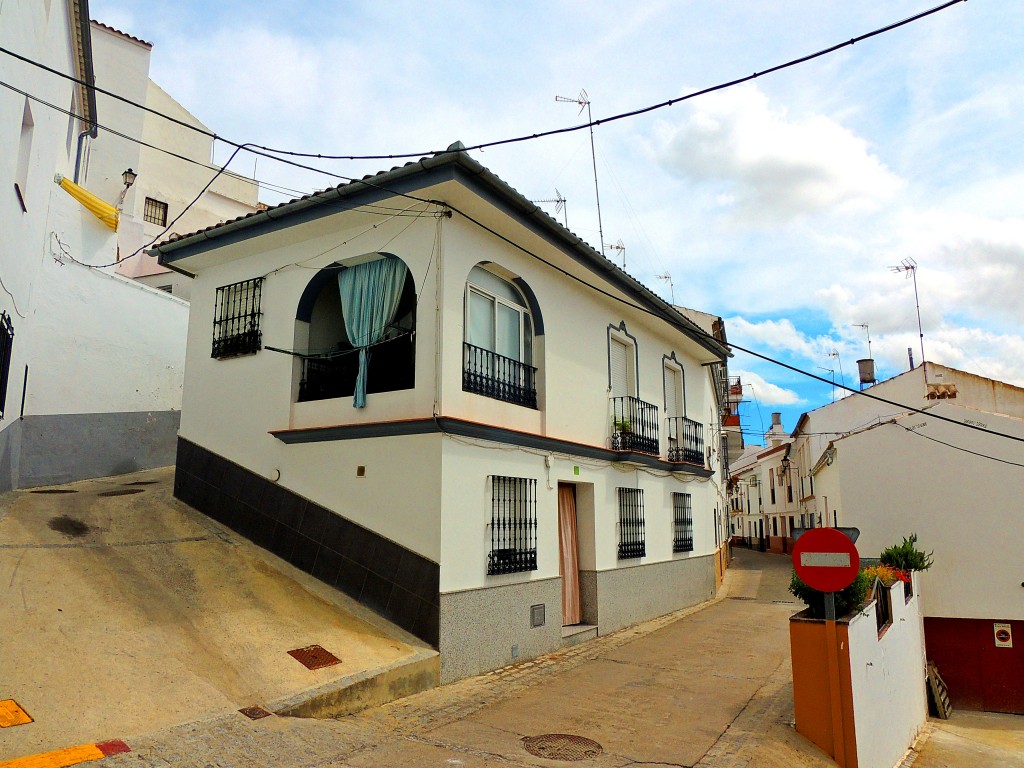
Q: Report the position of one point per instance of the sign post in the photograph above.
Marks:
(827, 560)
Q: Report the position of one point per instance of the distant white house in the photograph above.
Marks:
(91, 363)
(890, 472)
(166, 183)
(405, 386)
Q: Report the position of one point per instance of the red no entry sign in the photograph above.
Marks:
(826, 560)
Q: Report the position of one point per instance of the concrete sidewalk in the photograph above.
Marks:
(124, 611)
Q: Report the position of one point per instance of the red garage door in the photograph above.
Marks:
(982, 672)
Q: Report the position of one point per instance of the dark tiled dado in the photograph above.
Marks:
(392, 580)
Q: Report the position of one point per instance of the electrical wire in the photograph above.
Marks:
(14, 301)
(956, 447)
(527, 137)
(690, 329)
(251, 147)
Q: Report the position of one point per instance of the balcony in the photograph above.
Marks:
(492, 375)
(685, 440)
(634, 425)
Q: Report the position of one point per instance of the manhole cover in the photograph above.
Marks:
(562, 746)
(68, 526)
(255, 713)
(314, 657)
(143, 482)
(54, 490)
(120, 492)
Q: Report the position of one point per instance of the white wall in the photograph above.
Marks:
(887, 676)
(44, 37)
(466, 511)
(960, 505)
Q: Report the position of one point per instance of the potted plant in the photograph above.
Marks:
(907, 558)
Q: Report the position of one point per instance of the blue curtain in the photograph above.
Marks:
(369, 298)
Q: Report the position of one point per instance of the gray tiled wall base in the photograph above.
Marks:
(622, 597)
(480, 626)
(397, 583)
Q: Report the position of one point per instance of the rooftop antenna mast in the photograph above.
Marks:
(560, 206)
(583, 100)
(909, 267)
(621, 248)
(842, 377)
(833, 372)
(672, 289)
(867, 331)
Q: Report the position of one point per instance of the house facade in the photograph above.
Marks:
(90, 363)
(426, 392)
(890, 472)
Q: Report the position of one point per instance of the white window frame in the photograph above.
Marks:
(471, 288)
(632, 384)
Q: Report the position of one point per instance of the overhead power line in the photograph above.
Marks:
(527, 137)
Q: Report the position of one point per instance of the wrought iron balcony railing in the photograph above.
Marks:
(685, 440)
(634, 425)
(492, 375)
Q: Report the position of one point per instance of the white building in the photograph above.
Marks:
(891, 472)
(90, 363)
(167, 184)
(530, 464)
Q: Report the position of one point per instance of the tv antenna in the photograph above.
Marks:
(560, 206)
(833, 372)
(671, 288)
(621, 248)
(867, 331)
(909, 267)
(842, 377)
(583, 100)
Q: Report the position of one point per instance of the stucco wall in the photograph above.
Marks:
(466, 511)
(626, 596)
(887, 676)
(896, 482)
(481, 628)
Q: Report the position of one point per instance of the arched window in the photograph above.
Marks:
(384, 344)
(498, 346)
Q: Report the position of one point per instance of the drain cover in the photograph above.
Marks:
(562, 746)
(255, 713)
(143, 482)
(314, 657)
(54, 490)
(120, 492)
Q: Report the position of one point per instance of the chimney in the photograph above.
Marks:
(776, 435)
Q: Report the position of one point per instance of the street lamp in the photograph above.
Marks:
(128, 177)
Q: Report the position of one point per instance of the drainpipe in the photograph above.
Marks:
(78, 156)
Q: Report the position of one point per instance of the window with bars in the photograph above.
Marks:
(632, 542)
(6, 342)
(682, 523)
(513, 525)
(155, 212)
(236, 319)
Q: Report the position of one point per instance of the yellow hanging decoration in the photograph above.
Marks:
(104, 211)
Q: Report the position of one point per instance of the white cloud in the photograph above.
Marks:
(757, 388)
(774, 167)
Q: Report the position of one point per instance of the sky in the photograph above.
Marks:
(780, 205)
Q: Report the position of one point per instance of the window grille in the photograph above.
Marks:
(155, 212)
(236, 319)
(631, 523)
(682, 523)
(6, 342)
(513, 525)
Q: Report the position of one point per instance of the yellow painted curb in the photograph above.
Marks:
(69, 756)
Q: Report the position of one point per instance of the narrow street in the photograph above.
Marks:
(704, 687)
